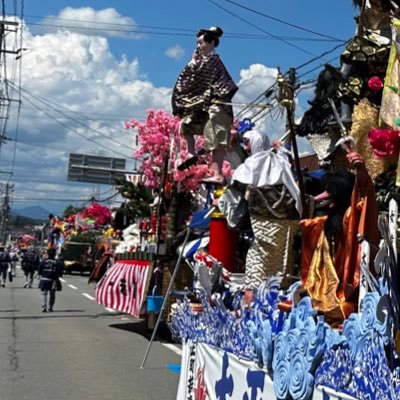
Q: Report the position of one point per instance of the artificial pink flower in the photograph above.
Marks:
(375, 83)
(159, 139)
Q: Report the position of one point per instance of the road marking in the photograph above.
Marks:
(173, 348)
(63, 280)
(110, 310)
(125, 319)
(175, 368)
(88, 296)
(72, 286)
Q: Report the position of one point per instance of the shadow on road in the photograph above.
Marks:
(140, 327)
(54, 314)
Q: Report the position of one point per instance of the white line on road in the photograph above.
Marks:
(72, 286)
(63, 280)
(173, 348)
(110, 310)
(88, 296)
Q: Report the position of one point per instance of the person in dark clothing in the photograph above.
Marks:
(30, 264)
(5, 263)
(50, 271)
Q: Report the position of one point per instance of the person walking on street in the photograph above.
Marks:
(14, 259)
(50, 271)
(5, 263)
(30, 264)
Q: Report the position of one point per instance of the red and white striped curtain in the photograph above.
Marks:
(124, 286)
(134, 178)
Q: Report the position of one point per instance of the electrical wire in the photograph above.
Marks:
(49, 104)
(282, 21)
(296, 68)
(260, 29)
(71, 129)
(189, 32)
(66, 200)
(274, 85)
(83, 115)
(86, 116)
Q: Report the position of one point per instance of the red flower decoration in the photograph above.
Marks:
(375, 83)
(385, 142)
(101, 214)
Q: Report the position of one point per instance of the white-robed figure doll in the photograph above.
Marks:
(202, 96)
(274, 206)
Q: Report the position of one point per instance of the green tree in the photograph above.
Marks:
(139, 198)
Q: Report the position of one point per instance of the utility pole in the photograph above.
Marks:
(6, 190)
(4, 95)
(287, 86)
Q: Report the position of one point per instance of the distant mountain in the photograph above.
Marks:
(34, 212)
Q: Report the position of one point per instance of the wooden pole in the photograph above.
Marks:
(161, 202)
(300, 181)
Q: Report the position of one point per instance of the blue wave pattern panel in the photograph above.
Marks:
(298, 349)
(247, 333)
(358, 366)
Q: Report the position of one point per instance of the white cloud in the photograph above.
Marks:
(75, 78)
(176, 52)
(105, 22)
(65, 72)
(253, 81)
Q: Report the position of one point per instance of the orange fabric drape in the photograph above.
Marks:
(333, 284)
(311, 231)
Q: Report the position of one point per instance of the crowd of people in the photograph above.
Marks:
(46, 268)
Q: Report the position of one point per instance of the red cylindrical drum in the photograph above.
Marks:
(223, 243)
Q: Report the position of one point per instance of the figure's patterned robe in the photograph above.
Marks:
(199, 84)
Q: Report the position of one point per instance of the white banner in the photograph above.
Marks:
(211, 374)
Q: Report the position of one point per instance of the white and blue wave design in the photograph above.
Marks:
(299, 350)
(358, 366)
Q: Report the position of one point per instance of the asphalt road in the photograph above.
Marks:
(81, 351)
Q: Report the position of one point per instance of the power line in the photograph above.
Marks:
(48, 103)
(273, 86)
(260, 29)
(111, 117)
(321, 55)
(82, 116)
(71, 129)
(283, 22)
(185, 32)
(25, 143)
(49, 199)
(66, 200)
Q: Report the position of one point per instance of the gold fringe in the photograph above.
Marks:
(365, 116)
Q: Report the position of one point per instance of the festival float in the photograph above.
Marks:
(280, 282)
(81, 236)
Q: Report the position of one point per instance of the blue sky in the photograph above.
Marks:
(333, 18)
(106, 76)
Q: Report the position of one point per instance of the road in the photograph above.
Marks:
(81, 351)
